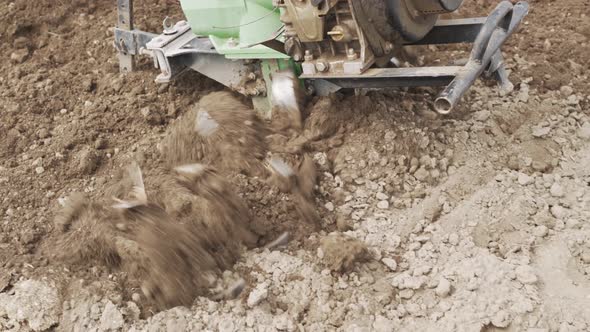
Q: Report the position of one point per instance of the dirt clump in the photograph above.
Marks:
(219, 130)
(177, 264)
(341, 253)
(173, 238)
(85, 235)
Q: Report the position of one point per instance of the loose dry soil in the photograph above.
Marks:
(476, 221)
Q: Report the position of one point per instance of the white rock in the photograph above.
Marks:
(382, 324)
(557, 190)
(145, 111)
(584, 131)
(226, 325)
(541, 131)
(421, 174)
(559, 212)
(382, 196)
(444, 288)
(566, 90)
(34, 303)
(454, 239)
(501, 319)
(39, 170)
(329, 206)
(481, 116)
(283, 323)
(257, 295)
(383, 205)
(525, 274)
(390, 263)
(540, 231)
(524, 179)
(406, 294)
(111, 319)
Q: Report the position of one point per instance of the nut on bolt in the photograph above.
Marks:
(351, 54)
(322, 66)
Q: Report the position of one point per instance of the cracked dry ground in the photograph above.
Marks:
(477, 221)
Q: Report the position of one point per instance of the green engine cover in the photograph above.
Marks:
(235, 25)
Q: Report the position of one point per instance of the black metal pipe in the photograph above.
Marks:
(498, 27)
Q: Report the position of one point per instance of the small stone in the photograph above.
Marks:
(145, 111)
(501, 319)
(136, 297)
(257, 295)
(566, 91)
(557, 190)
(422, 174)
(444, 288)
(383, 205)
(63, 111)
(454, 239)
(584, 131)
(540, 132)
(524, 179)
(390, 263)
(88, 160)
(482, 116)
(43, 133)
(133, 310)
(558, 212)
(406, 294)
(525, 274)
(382, 196)
(329, 206)
(540, 231)
(19, 56)
(39, 170)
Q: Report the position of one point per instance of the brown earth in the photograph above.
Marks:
(70, 123)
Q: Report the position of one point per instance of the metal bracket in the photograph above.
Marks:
(131, 42)
(125, 21)
(174, 42)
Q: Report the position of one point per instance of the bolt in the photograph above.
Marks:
(351, 54)
(322, 66)
(308, 55)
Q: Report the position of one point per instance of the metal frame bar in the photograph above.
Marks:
(125, 21)
(393, 77)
